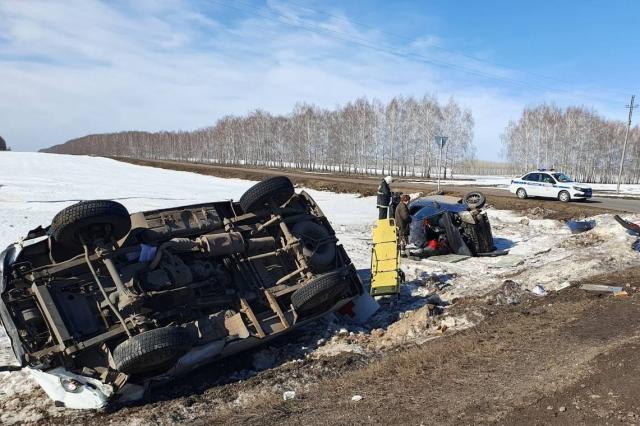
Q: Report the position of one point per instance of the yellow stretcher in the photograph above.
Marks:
(386, 275)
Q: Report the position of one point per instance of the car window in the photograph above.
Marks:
(562, 177)
(532, 177)
(547, 178)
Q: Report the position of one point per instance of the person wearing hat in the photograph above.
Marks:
(384, 197)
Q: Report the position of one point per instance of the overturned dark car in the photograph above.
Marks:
(449, 225)
(102, 304)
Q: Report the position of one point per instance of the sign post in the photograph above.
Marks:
(441, 141)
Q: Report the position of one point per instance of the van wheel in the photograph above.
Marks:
(564, 196)
(277, 189)
(521, 193)
(320, 293)
(152, 351)
(90, 219)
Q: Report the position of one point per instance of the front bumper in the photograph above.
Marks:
(587, 193)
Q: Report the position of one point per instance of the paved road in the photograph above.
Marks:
(619, 204)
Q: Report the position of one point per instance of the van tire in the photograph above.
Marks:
(277, 189)
(107, 216)
(320, 293)
(152, 351)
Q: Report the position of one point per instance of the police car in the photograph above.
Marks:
(551, 184)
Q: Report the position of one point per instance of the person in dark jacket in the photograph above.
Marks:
(403, 219)
(384, 197)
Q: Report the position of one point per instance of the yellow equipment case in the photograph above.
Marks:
(386, 275)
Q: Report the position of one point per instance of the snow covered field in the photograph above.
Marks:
(35, 186)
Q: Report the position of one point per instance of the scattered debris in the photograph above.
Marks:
(598, 288)
(287, 395)
(633, 227)
(539, 291)
(577, 227)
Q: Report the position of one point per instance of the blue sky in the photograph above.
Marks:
(70, 68)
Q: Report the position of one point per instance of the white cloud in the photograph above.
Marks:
(77, 67)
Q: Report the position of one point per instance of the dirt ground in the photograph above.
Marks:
(567, 358)
(550, 209)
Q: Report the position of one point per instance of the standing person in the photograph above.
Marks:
(403, 219)
(384, 197)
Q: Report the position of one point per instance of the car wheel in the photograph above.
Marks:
(474, 200)
(318, 246)
(92, 219)
(277, 189)
(564, 196)
(152, 351)
(320, 293)
(521, 193)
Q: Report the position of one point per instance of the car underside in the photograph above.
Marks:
(114, 299)
(448, 225)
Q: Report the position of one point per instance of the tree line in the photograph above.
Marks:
(3, 145)
(576, 140)
(363, 136)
